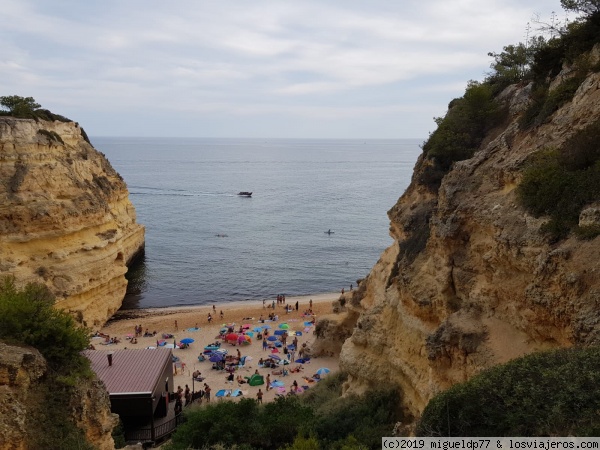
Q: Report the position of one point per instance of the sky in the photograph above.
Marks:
(376, 69)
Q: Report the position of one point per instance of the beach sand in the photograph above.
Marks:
(162, 320)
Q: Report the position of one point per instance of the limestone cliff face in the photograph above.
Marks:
(470, 281)
(65, 217)
(22, 371)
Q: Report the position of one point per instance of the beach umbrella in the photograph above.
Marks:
(161, 342)
(274, 351)
(243, 339)
(284, 326)
(223, 330)
(323, 371)
(273, 338)
(258, 329)
(267, 327)
(308, 324)
(278, 332)
(291, 347)
(231, 337)
(302, 360)
(275, 357)
(277, 384)
(249, 333)
(187, 340)
(217, 357)
(246, 326)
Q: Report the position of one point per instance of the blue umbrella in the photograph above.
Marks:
(273, 338)
(249, 333)
(217, 357)
(307, 324)
(323, 371)
(291, 347)
(278, 332)
(302, 360)
(187, 340)
(267, 327)
(275, 357)
(277, 384)
(258, 329)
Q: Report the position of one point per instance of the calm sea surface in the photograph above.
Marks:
(206, 244)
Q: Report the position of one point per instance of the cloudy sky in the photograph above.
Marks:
(260, 68)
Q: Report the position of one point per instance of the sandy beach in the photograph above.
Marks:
(192, 322)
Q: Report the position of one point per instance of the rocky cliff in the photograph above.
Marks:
(22, 372)
(65, 217)
(470, 281)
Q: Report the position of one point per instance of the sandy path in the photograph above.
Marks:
(162, 320)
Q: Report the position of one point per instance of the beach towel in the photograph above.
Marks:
(223, 393)
(193, 329)
(237, 393)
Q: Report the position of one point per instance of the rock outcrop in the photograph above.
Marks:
(65, 217)
(470, 280)
(22, 371)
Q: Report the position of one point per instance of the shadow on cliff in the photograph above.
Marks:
(136, 282)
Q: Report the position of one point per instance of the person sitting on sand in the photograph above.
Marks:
(240, 379)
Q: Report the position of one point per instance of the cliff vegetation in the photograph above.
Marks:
(496, 238)
(45, 383)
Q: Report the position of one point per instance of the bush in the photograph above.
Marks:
(28, 317)
(462, 130)
(545, 103)
(319, 418)
(544, 394)
(559, 183)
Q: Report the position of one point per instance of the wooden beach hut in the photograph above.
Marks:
(138, 382)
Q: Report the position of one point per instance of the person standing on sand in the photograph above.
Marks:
(265, 344)
(268, 381)
(296, 306)
(310, 303)
(176, 326)
(264, 301)
(259, 396)
(207, 392)
(209, 318)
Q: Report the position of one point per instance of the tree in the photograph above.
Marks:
(28, 316)
(587, 7)
(19, 106)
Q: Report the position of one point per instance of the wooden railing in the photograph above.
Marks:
(160, 431)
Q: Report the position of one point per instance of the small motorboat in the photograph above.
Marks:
(245, 194)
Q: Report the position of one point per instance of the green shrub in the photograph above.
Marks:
(462, 130)
(27, 316)
(545, 394)
(51, 135)
(545, 103)
(559, 183)
(319, 418)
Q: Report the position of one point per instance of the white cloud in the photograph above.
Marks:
(289, 59)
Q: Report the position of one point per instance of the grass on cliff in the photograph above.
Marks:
(317, 419)
(544, 394)
(560, 183)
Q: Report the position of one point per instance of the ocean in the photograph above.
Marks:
(205, 244)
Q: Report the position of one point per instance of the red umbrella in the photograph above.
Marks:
(274, 351)
(231, 337)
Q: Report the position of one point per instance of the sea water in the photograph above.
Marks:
(205, 244)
